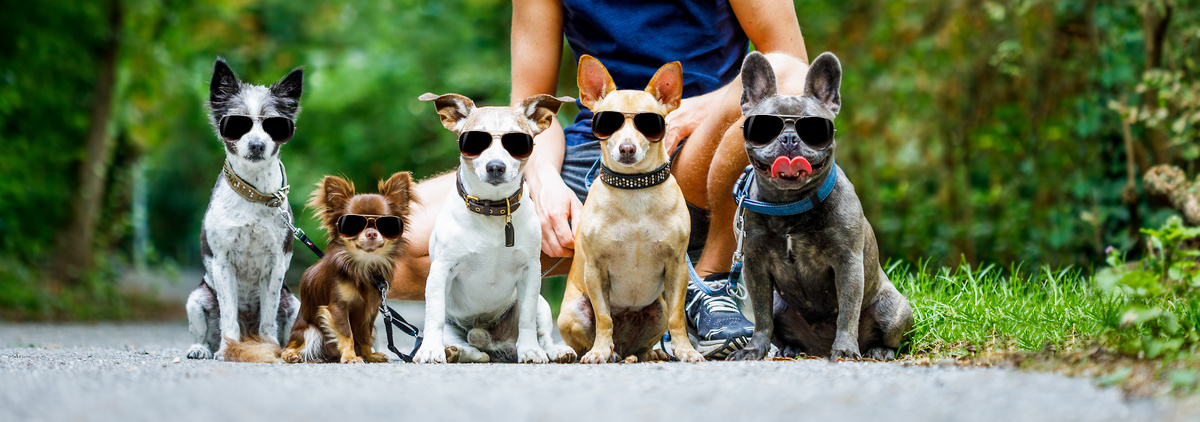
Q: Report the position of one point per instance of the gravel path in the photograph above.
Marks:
(134, 372)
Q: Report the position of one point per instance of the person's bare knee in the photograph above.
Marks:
(410, 271)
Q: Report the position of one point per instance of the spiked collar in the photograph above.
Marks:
(252, 194)
(635, 181)
(741, 195)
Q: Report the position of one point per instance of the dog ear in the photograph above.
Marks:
(758, 81)
(398, 192)
(667, 85)
(224, 84)
(329, 200)
(452, 108)
(540, 109)
(593, 80)
(824, 81)
(288, 91)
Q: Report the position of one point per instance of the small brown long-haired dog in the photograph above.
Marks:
(338, 297)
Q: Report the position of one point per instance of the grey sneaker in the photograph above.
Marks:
(715, 320)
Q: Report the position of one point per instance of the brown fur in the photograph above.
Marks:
(252, 349)
(337, 294)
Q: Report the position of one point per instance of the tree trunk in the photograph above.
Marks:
(1154, 30)
(73, 254)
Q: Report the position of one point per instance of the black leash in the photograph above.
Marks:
(390, 316)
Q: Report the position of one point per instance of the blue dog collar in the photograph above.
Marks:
(741, 193)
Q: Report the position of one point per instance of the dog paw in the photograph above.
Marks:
(881, 353)
(559, 353)
(291, 356)
(748, 353)
(532, 354)
(199, 351)
(376, 358)
(600, 356)
(352, 359)
(790, 352)
(654, 355)
(220, 355)
(847, 353)
(430, 354)
(689, 356)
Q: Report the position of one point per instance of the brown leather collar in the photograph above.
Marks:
(248, 191)
(500, 207)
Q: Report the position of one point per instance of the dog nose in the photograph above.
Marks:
(372, 234)
(627, 149)
(790, 142)
(257, 147)
(495, 168)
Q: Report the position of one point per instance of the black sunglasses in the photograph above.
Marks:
(761, 129)
(235, 126)
(472, 143)
(652, 125)
(351, 225)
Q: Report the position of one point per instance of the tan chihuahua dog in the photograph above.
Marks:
(628, 278)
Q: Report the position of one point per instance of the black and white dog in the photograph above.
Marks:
(246, 246)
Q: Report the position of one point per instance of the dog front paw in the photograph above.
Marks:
(352, 359)
(748, 353)
(291, 356)
(847, 353)
(689, 356)
(559, 353)
(376, 358)
(220, 355)
(430, 353)
(881, 353)
(531, 354)
(199, 351)
(600, 355)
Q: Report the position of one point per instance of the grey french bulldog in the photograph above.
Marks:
(814, 277)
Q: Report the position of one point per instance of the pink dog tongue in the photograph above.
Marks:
(783, 167)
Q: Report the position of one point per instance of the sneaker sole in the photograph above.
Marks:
(720, 349)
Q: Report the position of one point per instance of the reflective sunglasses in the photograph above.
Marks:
(761, 129)
(235, 126)
(472, 143)
(651, 125)
(351, 225)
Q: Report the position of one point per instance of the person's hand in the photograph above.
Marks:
(559, 210)
(685, 119)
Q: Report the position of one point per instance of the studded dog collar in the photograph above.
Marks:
(494, 208)
(635, 181)
(248, 191)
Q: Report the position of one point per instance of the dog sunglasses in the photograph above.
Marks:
(351, 225)
(234, 126)
(474, 142)
(761, 129)
(651, 125)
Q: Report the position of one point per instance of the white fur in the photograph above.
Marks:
(248, 262)
(472, 272)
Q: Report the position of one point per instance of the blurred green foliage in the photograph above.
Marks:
(990, 130)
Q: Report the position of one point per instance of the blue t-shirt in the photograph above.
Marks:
(634, 38)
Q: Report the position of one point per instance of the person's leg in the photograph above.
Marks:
(713, 158)
(408, 279)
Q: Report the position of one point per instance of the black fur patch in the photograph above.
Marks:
(287, 243)
(286, 92)
(222, 89)
(205, 249)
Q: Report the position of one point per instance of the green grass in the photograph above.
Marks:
(999, 308)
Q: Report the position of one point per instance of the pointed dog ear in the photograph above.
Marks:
(329, 200)
(397, 190)
(758, 81)
(541, 108)
(824, 81)
(224, 84)
(452, 108)
(667, 85)
(593, 80)
(288, 91)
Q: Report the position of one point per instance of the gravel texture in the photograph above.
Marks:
(139, 372)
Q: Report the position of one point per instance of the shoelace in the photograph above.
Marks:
(714, 304)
